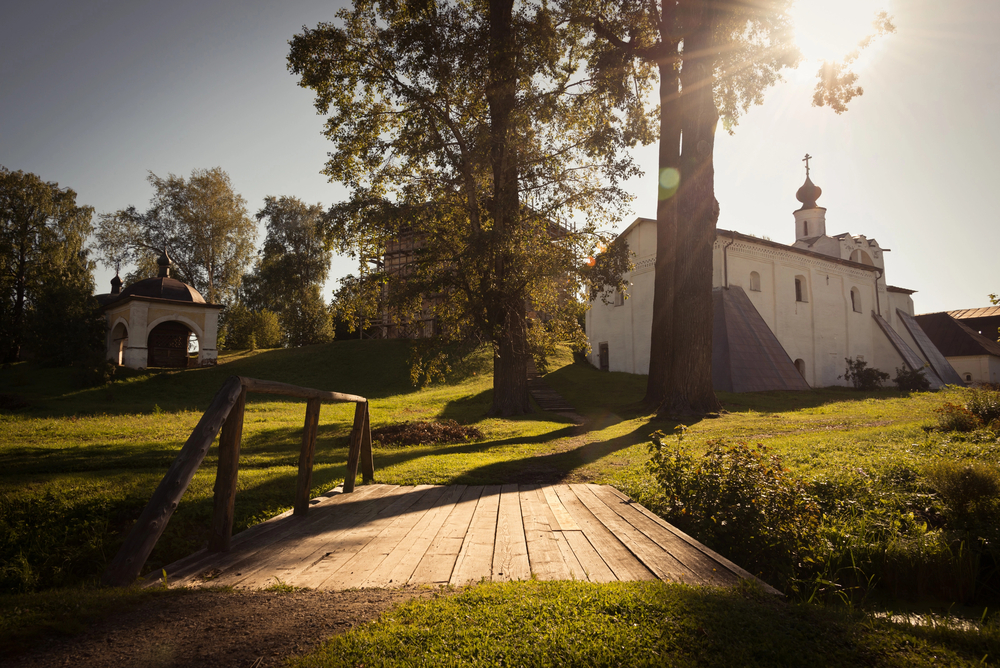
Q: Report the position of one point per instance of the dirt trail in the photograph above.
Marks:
(216, 628)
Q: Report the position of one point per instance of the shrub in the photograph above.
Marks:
(248, 330)
(955, 417)
(966, 488)
(911, 380)
(862, 377)
(738, 499)
(985, 405)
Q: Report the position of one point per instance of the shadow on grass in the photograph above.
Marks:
(372, 369)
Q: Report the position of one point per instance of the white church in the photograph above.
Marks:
(786, 316)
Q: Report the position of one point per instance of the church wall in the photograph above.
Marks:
(821, 330)
(981, 368)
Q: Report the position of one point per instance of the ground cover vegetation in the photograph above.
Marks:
(853, 499)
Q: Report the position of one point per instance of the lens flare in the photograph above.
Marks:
(670, 178)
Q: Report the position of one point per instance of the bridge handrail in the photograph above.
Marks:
(220, 415)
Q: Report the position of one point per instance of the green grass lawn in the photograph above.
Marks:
(77, 466)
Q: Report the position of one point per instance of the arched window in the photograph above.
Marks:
(805, 228)
(800, 289)
(968, 378)
(862, 257)
(800, 366)
(754, 281)
(855, 300)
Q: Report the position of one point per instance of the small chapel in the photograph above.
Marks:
(156, 322)
(785, 315)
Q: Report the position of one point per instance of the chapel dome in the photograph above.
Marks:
(808, 193)
(163, 287)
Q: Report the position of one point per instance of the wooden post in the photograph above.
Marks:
(306, 457)
(367, 464)
(354, 454)
(127, 564)
(225, 477)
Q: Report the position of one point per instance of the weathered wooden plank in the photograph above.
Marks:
(297, 560)
(546, 560)
(665, 566)
(709, 571)
(622, 563)
(564, 521)
(438, 562)
(402, 561)
(354, 452)
(128, 563)
(367, 463)
(510, 550)
(680, 535)
(595, 568)
(338, 548)
(192, 563)
(387, 533)
(303, 487)
(274, 387)
(225, 477)
(476, 557)
(226, 565)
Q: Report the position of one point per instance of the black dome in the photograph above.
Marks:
(163, 288)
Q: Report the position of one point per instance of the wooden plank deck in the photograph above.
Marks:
(390, 536)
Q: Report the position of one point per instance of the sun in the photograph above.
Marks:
(829, 30)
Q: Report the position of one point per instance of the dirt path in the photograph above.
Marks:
(217, 628)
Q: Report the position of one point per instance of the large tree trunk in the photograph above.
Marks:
(510, 381)
(691, 391)
(661, 334)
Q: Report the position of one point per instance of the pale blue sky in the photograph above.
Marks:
(94, 94)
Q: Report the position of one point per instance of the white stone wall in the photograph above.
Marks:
(977, 368)
(140, 316)
(823, 329)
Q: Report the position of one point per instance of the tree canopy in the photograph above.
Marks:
(201, 221)
(291, 270)
(475, 130)
(45, 274)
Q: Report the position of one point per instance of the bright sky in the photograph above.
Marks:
(92, 95)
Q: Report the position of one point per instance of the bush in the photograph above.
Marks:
(248, 330)
(862, 377)
(985, 405)
(739, 500)
(956, 417)
(911, 380)
(966, 488)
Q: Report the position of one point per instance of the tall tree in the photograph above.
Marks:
(474, 122)
(291, 270)
(42, 237)
(201, 221)
(714, 60)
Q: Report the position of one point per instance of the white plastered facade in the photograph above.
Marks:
(131, 321)
(819, 323)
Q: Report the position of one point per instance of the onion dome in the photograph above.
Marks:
(808, 194)
(116, 284)
(164, 263)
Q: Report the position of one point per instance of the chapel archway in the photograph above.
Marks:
(167, 344)
(119, 342)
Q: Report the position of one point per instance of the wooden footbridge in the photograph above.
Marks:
(389, 536)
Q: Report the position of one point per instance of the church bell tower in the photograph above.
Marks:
(810, 219)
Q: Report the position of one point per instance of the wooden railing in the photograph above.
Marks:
(226, 413)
